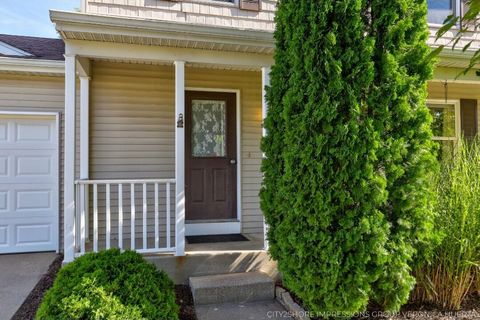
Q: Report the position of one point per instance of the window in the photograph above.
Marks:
(445, 124)
(439, 10)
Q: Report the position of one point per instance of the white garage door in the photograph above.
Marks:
(28, 183)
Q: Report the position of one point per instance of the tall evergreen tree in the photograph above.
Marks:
(402, 68)
(342, 204)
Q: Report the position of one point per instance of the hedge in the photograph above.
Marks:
(110, 285)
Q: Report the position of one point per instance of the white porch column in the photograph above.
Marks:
(180, 158)
(69, 160)
(84, 150)
(265, 82)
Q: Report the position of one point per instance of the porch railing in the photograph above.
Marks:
(113, 207)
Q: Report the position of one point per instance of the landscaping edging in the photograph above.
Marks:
(293, 308)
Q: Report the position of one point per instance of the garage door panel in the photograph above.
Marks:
(3, 131)
(28, 184)
(27, 166)
(33, 165)
(33, 234)
(4, 200)
(34, 200)
(28, 235)
(28, 132)
(4, 236)
(3, 166)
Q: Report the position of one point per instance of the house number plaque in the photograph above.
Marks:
(180, 121)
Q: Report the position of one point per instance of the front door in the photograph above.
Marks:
(210, 156)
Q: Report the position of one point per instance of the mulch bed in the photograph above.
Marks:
(413, 311)
(185, 301)
(29, 307)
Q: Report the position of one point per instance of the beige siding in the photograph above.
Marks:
(206, 12)
(36, 94)
(132, 130)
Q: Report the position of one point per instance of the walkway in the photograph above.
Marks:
(19, 273)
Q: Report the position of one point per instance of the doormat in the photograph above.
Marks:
(216, 238)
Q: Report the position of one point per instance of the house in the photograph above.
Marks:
(149, 129)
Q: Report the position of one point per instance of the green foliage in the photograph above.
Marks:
(110, 285)
(348, 151)
(455, 268)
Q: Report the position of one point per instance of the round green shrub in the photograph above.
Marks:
(110, 285)
(348, 154)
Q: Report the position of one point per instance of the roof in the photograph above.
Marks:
(35, 47)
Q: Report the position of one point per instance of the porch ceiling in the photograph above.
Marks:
(81, 26)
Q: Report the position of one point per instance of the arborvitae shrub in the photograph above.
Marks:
(347, 151)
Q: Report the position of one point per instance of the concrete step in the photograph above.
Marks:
(232, 287)
(196, 264)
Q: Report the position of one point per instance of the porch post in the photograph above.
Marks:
(179, 158)
(265, 83)
(84, 150)
(69, 160)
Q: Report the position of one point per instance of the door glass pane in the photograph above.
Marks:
(443, 124)
(209, 128)
(439, 10)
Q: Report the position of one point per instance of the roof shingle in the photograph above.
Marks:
(40, 48)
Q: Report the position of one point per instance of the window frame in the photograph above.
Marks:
(458, 124)
(457, 12)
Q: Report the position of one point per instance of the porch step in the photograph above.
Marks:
(232, 287)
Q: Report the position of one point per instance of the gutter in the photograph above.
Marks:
(36, 66)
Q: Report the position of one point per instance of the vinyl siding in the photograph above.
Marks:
(205, 12)
(132, 132)
(37, 94)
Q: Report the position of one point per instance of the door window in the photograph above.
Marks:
(209, 129)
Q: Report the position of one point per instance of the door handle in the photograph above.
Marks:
(233, 161)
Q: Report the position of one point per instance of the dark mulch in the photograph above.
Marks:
(415, 311)
(29, 307)
(185, 301)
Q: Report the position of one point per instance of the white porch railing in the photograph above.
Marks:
(115, 213)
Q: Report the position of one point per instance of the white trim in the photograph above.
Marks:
(127, 28)
(57, 164)
(165, 55)
(202, 229)
(84, 146)
(9, 50)
(265, 83)
(69, 160)
(179, 159)
(83, 6)
(238, 112)
(22, 65)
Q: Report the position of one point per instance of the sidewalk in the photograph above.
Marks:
(260, 310)
(19, 273)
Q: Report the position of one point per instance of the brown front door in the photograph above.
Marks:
(210, 156)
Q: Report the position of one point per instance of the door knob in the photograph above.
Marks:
(233, 161)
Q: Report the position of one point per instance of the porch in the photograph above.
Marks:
(129, 179)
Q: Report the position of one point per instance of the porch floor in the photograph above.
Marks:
(254, 244)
